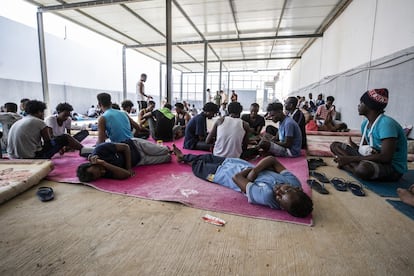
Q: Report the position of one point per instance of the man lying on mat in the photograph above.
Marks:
(268, 183)
(382, 153)
(115, 160)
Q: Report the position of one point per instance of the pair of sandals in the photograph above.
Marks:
(314, 163)
(342, 185)
(338, 183)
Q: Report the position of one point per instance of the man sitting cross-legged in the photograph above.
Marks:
(196, 130)
(61, 123)
(115, 160)
(325, 117)
(256, 122)
(382, 153)
(268, 183)
(287, 140)
(230, 133)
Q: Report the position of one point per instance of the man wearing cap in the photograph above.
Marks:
(382, 153)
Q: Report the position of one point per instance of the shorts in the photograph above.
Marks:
(142, 104)
(277, 150)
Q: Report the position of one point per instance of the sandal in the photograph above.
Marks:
(314, 163)
(45, 194)
(339, 184)
(320, 188)
(356, 188)
(320, 176)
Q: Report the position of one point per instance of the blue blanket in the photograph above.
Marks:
(389, 189)
(403, 208)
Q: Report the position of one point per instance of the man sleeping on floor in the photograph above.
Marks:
(268, 183)
(115, 160)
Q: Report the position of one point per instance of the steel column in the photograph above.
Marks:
(169, 50)
(124, 80)
(42, 54)
(205, 75)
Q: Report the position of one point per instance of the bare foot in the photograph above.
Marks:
(169, 150)
(178, 153)
(406, 196)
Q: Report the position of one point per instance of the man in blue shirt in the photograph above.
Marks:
(268, 183)
(113, 124)
(382, 153)
(196, 130)
(288, 142)
(297, 115)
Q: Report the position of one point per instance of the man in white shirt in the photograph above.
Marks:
(142, 97)
(61, 122)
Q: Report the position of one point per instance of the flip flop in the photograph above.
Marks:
(320, 188)
(314, 163)
(320, 176)
(45, 194)
(356, 188)
(339, 184)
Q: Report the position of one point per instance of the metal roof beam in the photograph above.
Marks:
(233, 13)
(86, 4)
(282, 12)
(152, 27)
(193, 25)
(238, 60)
(228, 40)
(334, 14)
(241, 71)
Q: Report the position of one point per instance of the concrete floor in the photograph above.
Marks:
(89, 232)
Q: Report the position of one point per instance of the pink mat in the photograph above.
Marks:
(319, 145)
(175, 182)
(352, 132)
(320, 149)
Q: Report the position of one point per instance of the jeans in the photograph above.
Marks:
(204, 165)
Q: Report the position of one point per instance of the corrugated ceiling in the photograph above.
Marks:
(243, 34)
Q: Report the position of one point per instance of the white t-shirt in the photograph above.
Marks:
(91, 111)
(51, 122)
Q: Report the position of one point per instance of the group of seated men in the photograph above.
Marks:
(380, 156)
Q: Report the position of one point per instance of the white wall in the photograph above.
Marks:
(25, 65)
(370, 45)
(70, 62)
(365, 31)
(394, 27)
